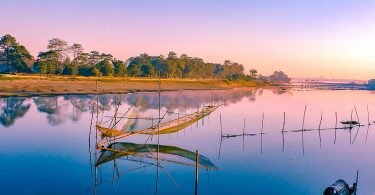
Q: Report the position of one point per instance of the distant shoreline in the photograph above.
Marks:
(34, 85)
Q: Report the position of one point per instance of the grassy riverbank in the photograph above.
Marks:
(27, 85)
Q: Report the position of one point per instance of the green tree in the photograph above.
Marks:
(147, 70)
(120, 68)
(106, 68)
(70, 70)
(96, 72)
(7, 42)
(134, 70)
(14, 54)
(49, 62)
(85, 70)
(40, 67)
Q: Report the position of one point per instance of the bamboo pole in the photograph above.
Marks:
(355, 108)
(368, 116)
(334, 142)
(261, 135)
(221, 126)
(96, 136)
(351, 118)
(282, 130)
(303, 124)
(243, 135)
(262, 123)
(196, 171)
(158, 149)
(282, 133)
(304, 115)
(221, 140)
(244, 124)
(350, 130)
(90, 156)
(320, 123)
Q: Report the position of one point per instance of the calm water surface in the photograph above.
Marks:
(46, 146)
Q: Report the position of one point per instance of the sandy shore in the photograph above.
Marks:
(37, 85)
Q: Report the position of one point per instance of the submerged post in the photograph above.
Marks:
(303, 121)
(351, 119)
(356, 113)
(243, 135)
(303, 124)
(282, 134)
(282, 130)
(320, 123)
(221, 126)
(244, 125)
(196, 171)
(335, 127)
(368, 116)
(97, 113)
(261, 135)
(262, 123)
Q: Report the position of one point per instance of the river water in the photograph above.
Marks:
(46, 146)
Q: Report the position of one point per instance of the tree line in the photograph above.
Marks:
(61, 58)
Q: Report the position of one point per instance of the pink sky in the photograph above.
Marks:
(304, 39)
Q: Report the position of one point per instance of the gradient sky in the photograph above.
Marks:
(330, 38)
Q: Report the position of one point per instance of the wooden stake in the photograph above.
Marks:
(351, 119)
(303, 124)
(244, 123)
(262, 123)
(196, 171)
(304, 115)
(282, 130)
(320, 123)
(335, 127)
(368, 116)
(261, 135)
(221, 126)
(355, 108)
(282, 134)
(350, 130)
(243, 135)
(97, 113)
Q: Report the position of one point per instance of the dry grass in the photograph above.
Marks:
(25, 85)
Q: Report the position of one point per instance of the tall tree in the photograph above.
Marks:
(7, 43)
(59, 46)
(15, 54)
(76, 50)
(94, 58)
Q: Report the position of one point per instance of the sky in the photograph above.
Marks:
(330, 38)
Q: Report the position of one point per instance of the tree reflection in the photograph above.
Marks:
(60, 109)
(11, 109)
(55, 110)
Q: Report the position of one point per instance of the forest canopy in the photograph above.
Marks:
(62, 58)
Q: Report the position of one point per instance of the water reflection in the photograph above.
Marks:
(11, 109)
(142, 152)
(59, 109)
(263, 153)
